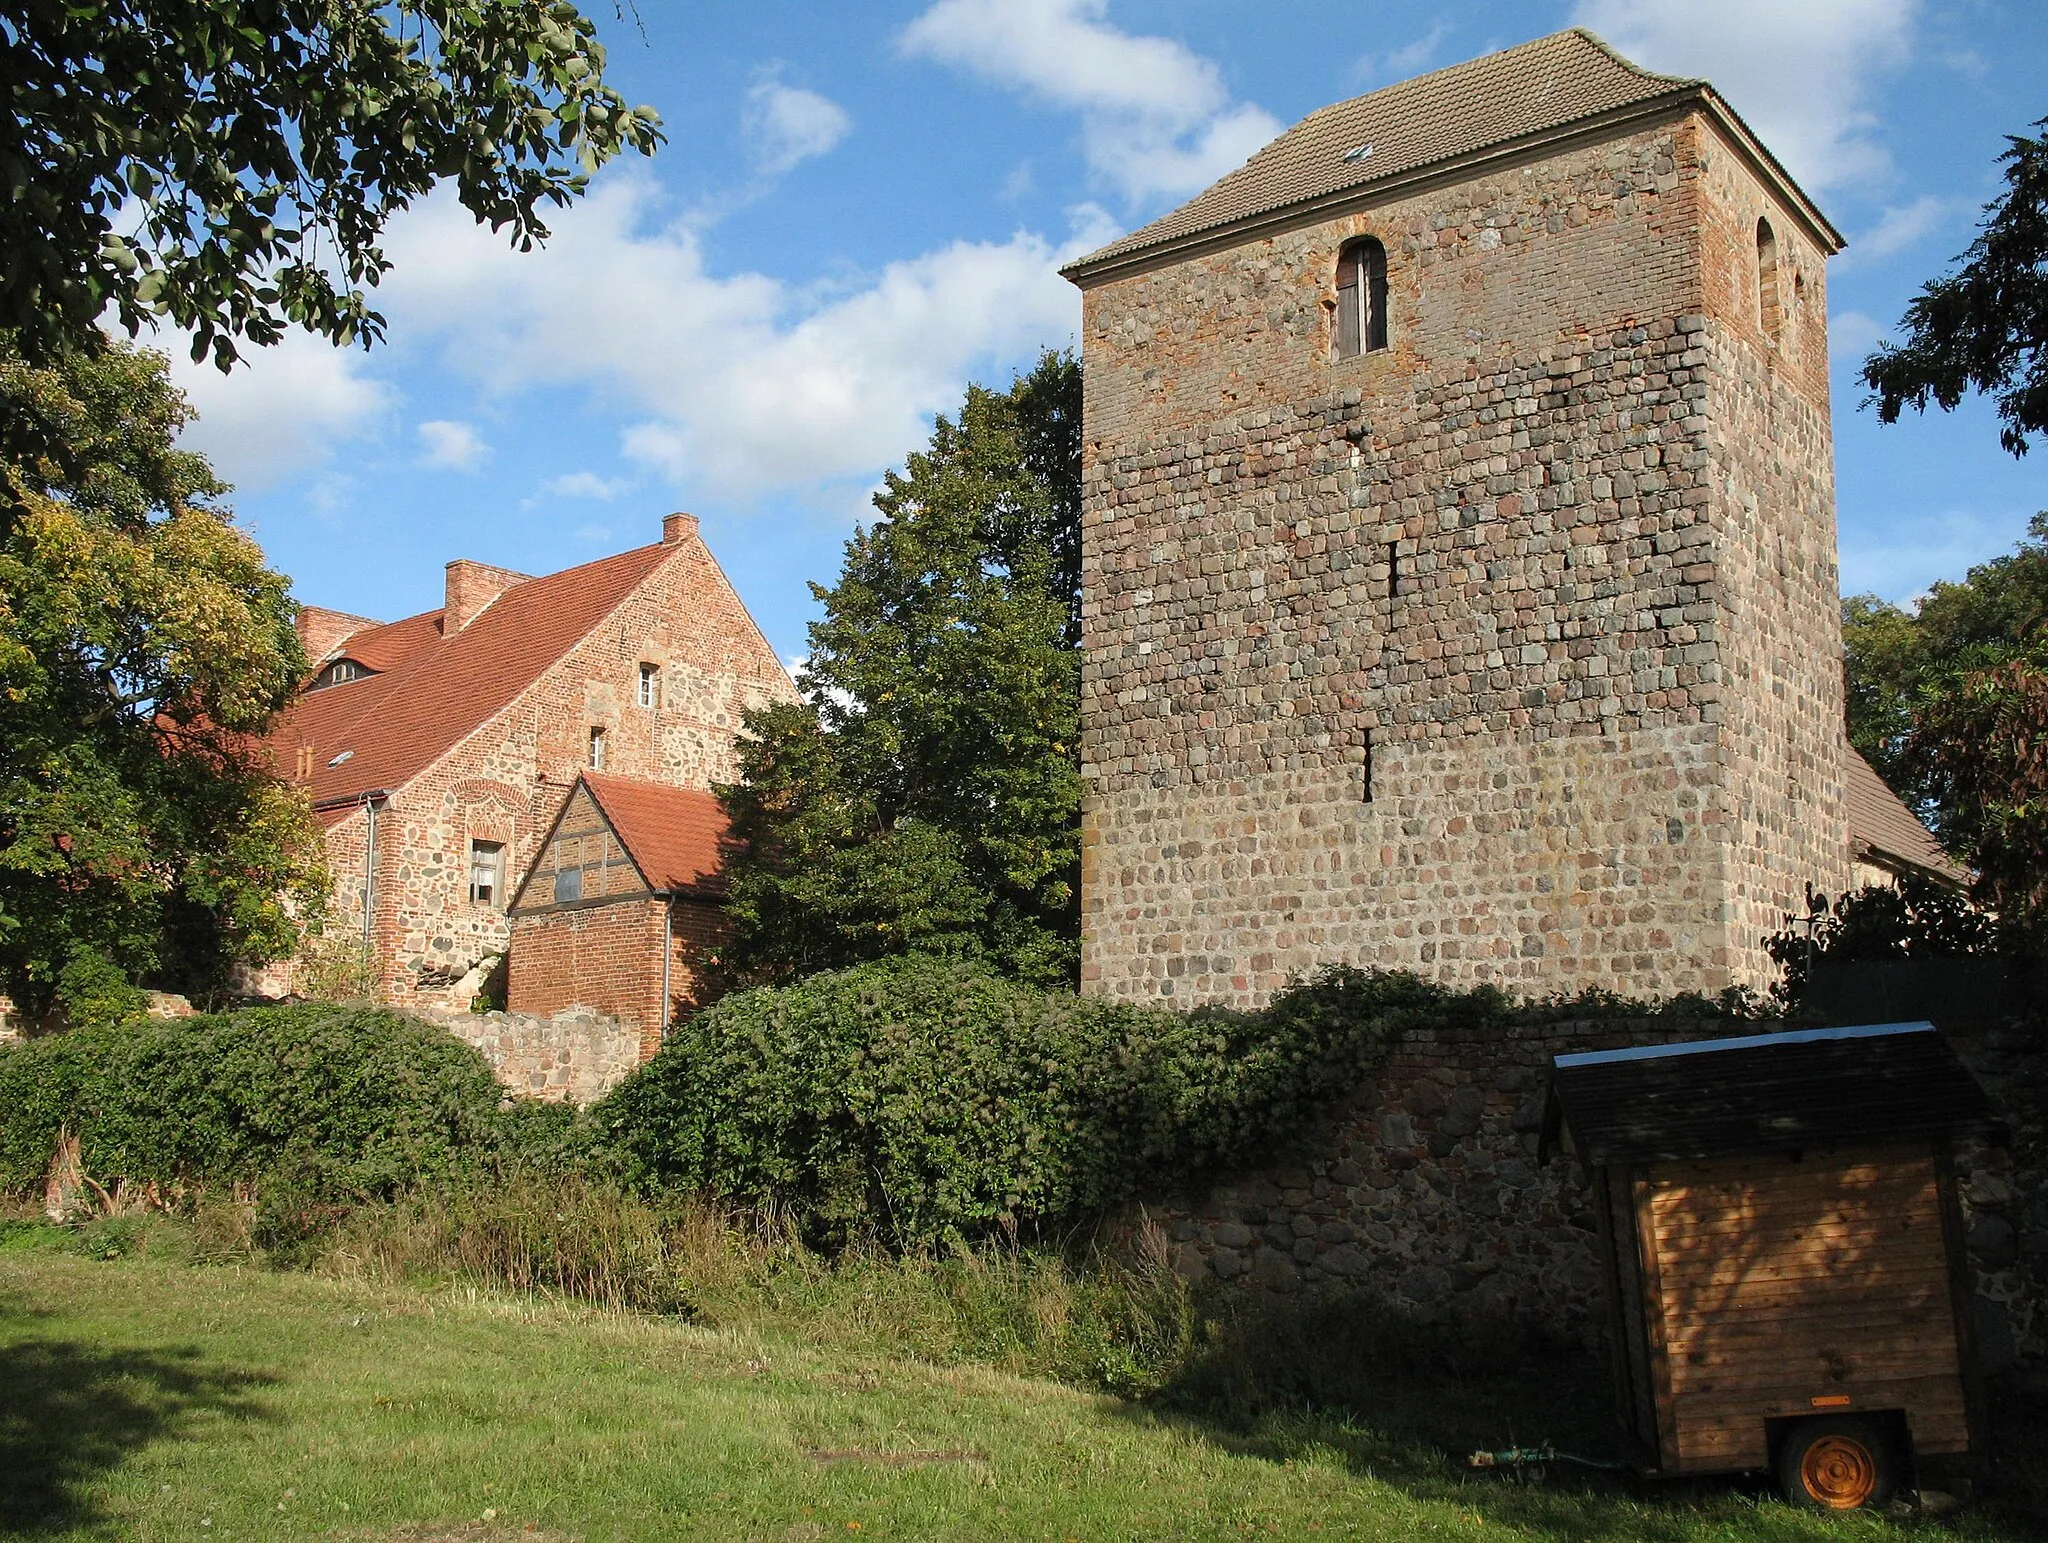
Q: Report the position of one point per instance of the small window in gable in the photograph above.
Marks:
(486, 872)
(1361, 324)
(650, 685)
(568, 885)
(597, 748)
(335, 674)
(1769, 304)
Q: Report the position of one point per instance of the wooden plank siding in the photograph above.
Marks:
(1778, 1281)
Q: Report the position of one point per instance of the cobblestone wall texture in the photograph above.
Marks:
(1507, 653)
(575, 1056)
(1426, 1194)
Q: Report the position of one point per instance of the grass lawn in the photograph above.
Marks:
(141, 1398)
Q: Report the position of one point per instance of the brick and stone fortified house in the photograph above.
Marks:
(1460, 548)
(439, 749)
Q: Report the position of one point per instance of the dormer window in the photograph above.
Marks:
(339, 672)
(1361, 322)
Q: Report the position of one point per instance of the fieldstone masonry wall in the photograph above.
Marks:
(577, 1056)
(1426, 1193)
(1506, 653)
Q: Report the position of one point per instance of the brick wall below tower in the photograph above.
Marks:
(609, 958)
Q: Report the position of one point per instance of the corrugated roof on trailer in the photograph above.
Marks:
(1790, 1091)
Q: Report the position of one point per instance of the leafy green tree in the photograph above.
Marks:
(229, 165)
(142, 643)
(1896, 661)
(925, 797)
(1983, 741)
(1984, 327)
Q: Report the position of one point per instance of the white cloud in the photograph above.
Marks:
(1907, 225)
(787, 124)
(1156, 117)
(1900, 559)
(283, 411)
(1408, 59)
(1852, 335)
(585, 484)
(736, 385)
(452, 445)
(1801, 74)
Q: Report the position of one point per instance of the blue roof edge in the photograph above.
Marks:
(1746, 1042)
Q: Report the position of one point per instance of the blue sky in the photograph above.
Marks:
(860, 209)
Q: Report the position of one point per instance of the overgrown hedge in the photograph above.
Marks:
(915, 1100)
(354, 1101)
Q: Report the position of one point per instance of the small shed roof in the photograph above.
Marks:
(676, 836)
(1763, 1092)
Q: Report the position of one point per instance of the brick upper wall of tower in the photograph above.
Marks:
(1508, 652)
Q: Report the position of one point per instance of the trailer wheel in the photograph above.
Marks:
(1838, 1463)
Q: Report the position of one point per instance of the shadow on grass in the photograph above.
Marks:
(1336, 1380)
(71, 1412)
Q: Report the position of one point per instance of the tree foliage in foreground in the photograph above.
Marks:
(221, 164)
(142, 640)
(1984, 327)
(1950, 704)
(925, 797)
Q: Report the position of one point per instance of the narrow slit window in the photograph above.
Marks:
(1361, 298)
(650, 685)
(1367, 768)
(1393, 569)
(486, 872)
(597, 749)
(1769, 304)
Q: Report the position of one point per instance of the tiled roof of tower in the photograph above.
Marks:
(677, 836)
(1493, 103)
(1881, 825)
(435, 690)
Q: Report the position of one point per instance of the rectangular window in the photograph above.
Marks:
(568, 885)
(597, 749)
(487, 872)
(650, 685)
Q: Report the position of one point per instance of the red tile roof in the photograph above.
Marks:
(433, 690)
(677, 836)
(1881, 826)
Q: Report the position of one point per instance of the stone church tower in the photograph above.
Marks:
(1460, 548)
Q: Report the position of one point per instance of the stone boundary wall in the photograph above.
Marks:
(577, 1056)
(1425, 1193)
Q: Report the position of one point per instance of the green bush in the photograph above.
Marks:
(915, 1101)
(329, 1102)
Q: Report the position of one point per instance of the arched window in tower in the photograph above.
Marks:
(1361, 298)
(1770, 307)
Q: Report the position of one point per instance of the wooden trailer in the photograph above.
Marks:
(1782, 1249)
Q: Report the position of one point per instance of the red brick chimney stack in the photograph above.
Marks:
(471, 587)
(677, 528)
(320, 629)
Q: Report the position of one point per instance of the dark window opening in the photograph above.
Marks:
(486, 872)
(568, 885)
(1368, 766)
(1361, 298)
(1393, 569)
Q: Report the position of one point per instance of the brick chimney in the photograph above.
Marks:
(320, 629)
(677, 528)
(471, 587)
